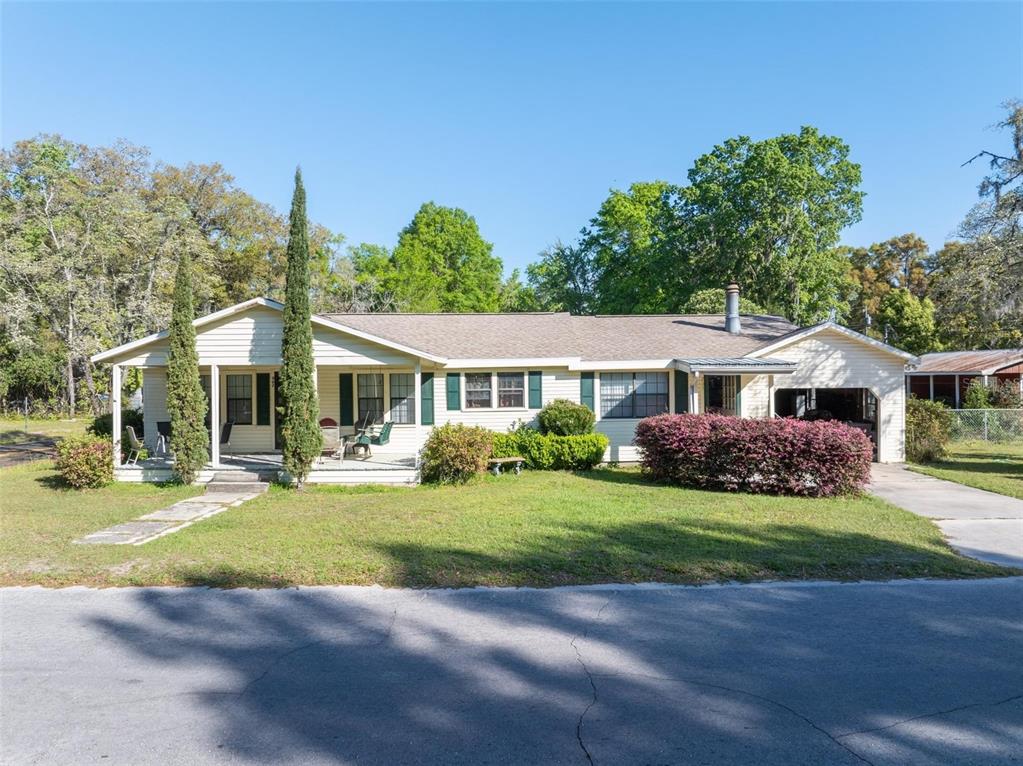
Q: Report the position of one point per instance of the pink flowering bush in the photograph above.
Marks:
(781, 456)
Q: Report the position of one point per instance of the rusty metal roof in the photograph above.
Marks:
(977, 362)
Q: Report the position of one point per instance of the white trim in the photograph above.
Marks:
(808, 331)
(215, 415)
(270, 304)
(115, 413)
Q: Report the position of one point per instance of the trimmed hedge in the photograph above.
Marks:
(562, 417)
(453, 454)
(85, 461)
(780, 456)
(551, 452)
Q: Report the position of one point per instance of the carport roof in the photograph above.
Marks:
(986, 362)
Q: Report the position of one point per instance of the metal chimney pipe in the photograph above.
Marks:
(732, 323)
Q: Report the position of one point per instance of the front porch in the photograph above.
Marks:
(399, 469)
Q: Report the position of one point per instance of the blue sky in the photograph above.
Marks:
(523, 114)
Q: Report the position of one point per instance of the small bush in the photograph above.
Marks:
(453, 454)
(928, 427)
(103, 425)
(564, 418)
(782, 456)
(551, 452)
(85, 461)
(1005, 395)
(976, 397)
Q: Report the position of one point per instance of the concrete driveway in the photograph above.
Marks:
(909, 673)
(979, 524)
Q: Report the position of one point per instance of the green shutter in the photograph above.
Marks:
(347, 394)
(586, 390)
(706, 393)
(262, 398)
(426, 398)
(535, 389)
(454, 383)
(681, 391)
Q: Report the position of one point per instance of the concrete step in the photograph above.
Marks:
(237, 487)
(244, 477)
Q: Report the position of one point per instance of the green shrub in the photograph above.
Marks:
(455, 453)
(564, 418)
(551, 452)
(976, 397)
(103, 425)
(927, 430)
(1005, 395)
(85, 461)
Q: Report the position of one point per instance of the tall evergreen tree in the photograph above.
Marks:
(300, 434)
(186, 401)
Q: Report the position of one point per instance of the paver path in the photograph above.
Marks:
(981, 525)
(218, 498)
(911, 673)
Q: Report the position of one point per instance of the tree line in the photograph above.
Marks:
(90, 238)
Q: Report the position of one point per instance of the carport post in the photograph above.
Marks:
(115, 412)
(957, 392)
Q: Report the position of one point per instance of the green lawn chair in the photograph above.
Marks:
(380, 439)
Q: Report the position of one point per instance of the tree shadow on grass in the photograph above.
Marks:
(679, 552)
(586, 676)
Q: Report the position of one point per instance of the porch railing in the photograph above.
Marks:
(987, 425)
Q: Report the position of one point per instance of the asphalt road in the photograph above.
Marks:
(902, 673)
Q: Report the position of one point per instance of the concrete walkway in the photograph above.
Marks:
(218, 498)
(911, 673)
(981, 525)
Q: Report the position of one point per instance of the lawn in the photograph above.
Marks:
(536, 529)
(15, 430)
(985, 465)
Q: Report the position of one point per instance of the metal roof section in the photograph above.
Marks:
(735, 365)
(986, 362)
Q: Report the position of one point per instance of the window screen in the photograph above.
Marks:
(403, 398)
(371, 398)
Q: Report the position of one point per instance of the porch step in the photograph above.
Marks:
(242, 482)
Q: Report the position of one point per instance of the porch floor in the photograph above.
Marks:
(274, 462)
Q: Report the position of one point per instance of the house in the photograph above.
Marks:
(945, 376)
(496, 370)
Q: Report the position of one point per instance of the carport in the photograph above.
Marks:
(856, 407)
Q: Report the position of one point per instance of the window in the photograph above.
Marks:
(403, 398)
(511, 389)
(477, 390)
(371, 398)
(239, 399)
(633, 394)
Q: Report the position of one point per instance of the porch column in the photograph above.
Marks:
(316, 381)
(770, 396)
(215, 415)
(115, 412)
(931, 379)
(418, 383)
(957, 392)
(694, 394)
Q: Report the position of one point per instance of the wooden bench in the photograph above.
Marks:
(495, 464)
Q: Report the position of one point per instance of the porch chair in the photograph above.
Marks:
(380, 439)
(333, 443)
(163, 430)
(135, 447)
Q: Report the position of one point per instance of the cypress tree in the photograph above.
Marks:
(186, 401)
(301, 441)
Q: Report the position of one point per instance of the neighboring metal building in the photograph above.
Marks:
(945, 376)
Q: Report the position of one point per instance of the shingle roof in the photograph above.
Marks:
(561, 335)
(969, 361)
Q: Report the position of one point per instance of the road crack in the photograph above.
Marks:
(589, 677)
(931, 715)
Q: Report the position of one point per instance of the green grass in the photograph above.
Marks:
(985, 465)
(537, 529)
(14, 430)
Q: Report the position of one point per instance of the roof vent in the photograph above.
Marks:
(732, 323)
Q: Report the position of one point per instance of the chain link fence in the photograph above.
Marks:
(987, 425)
